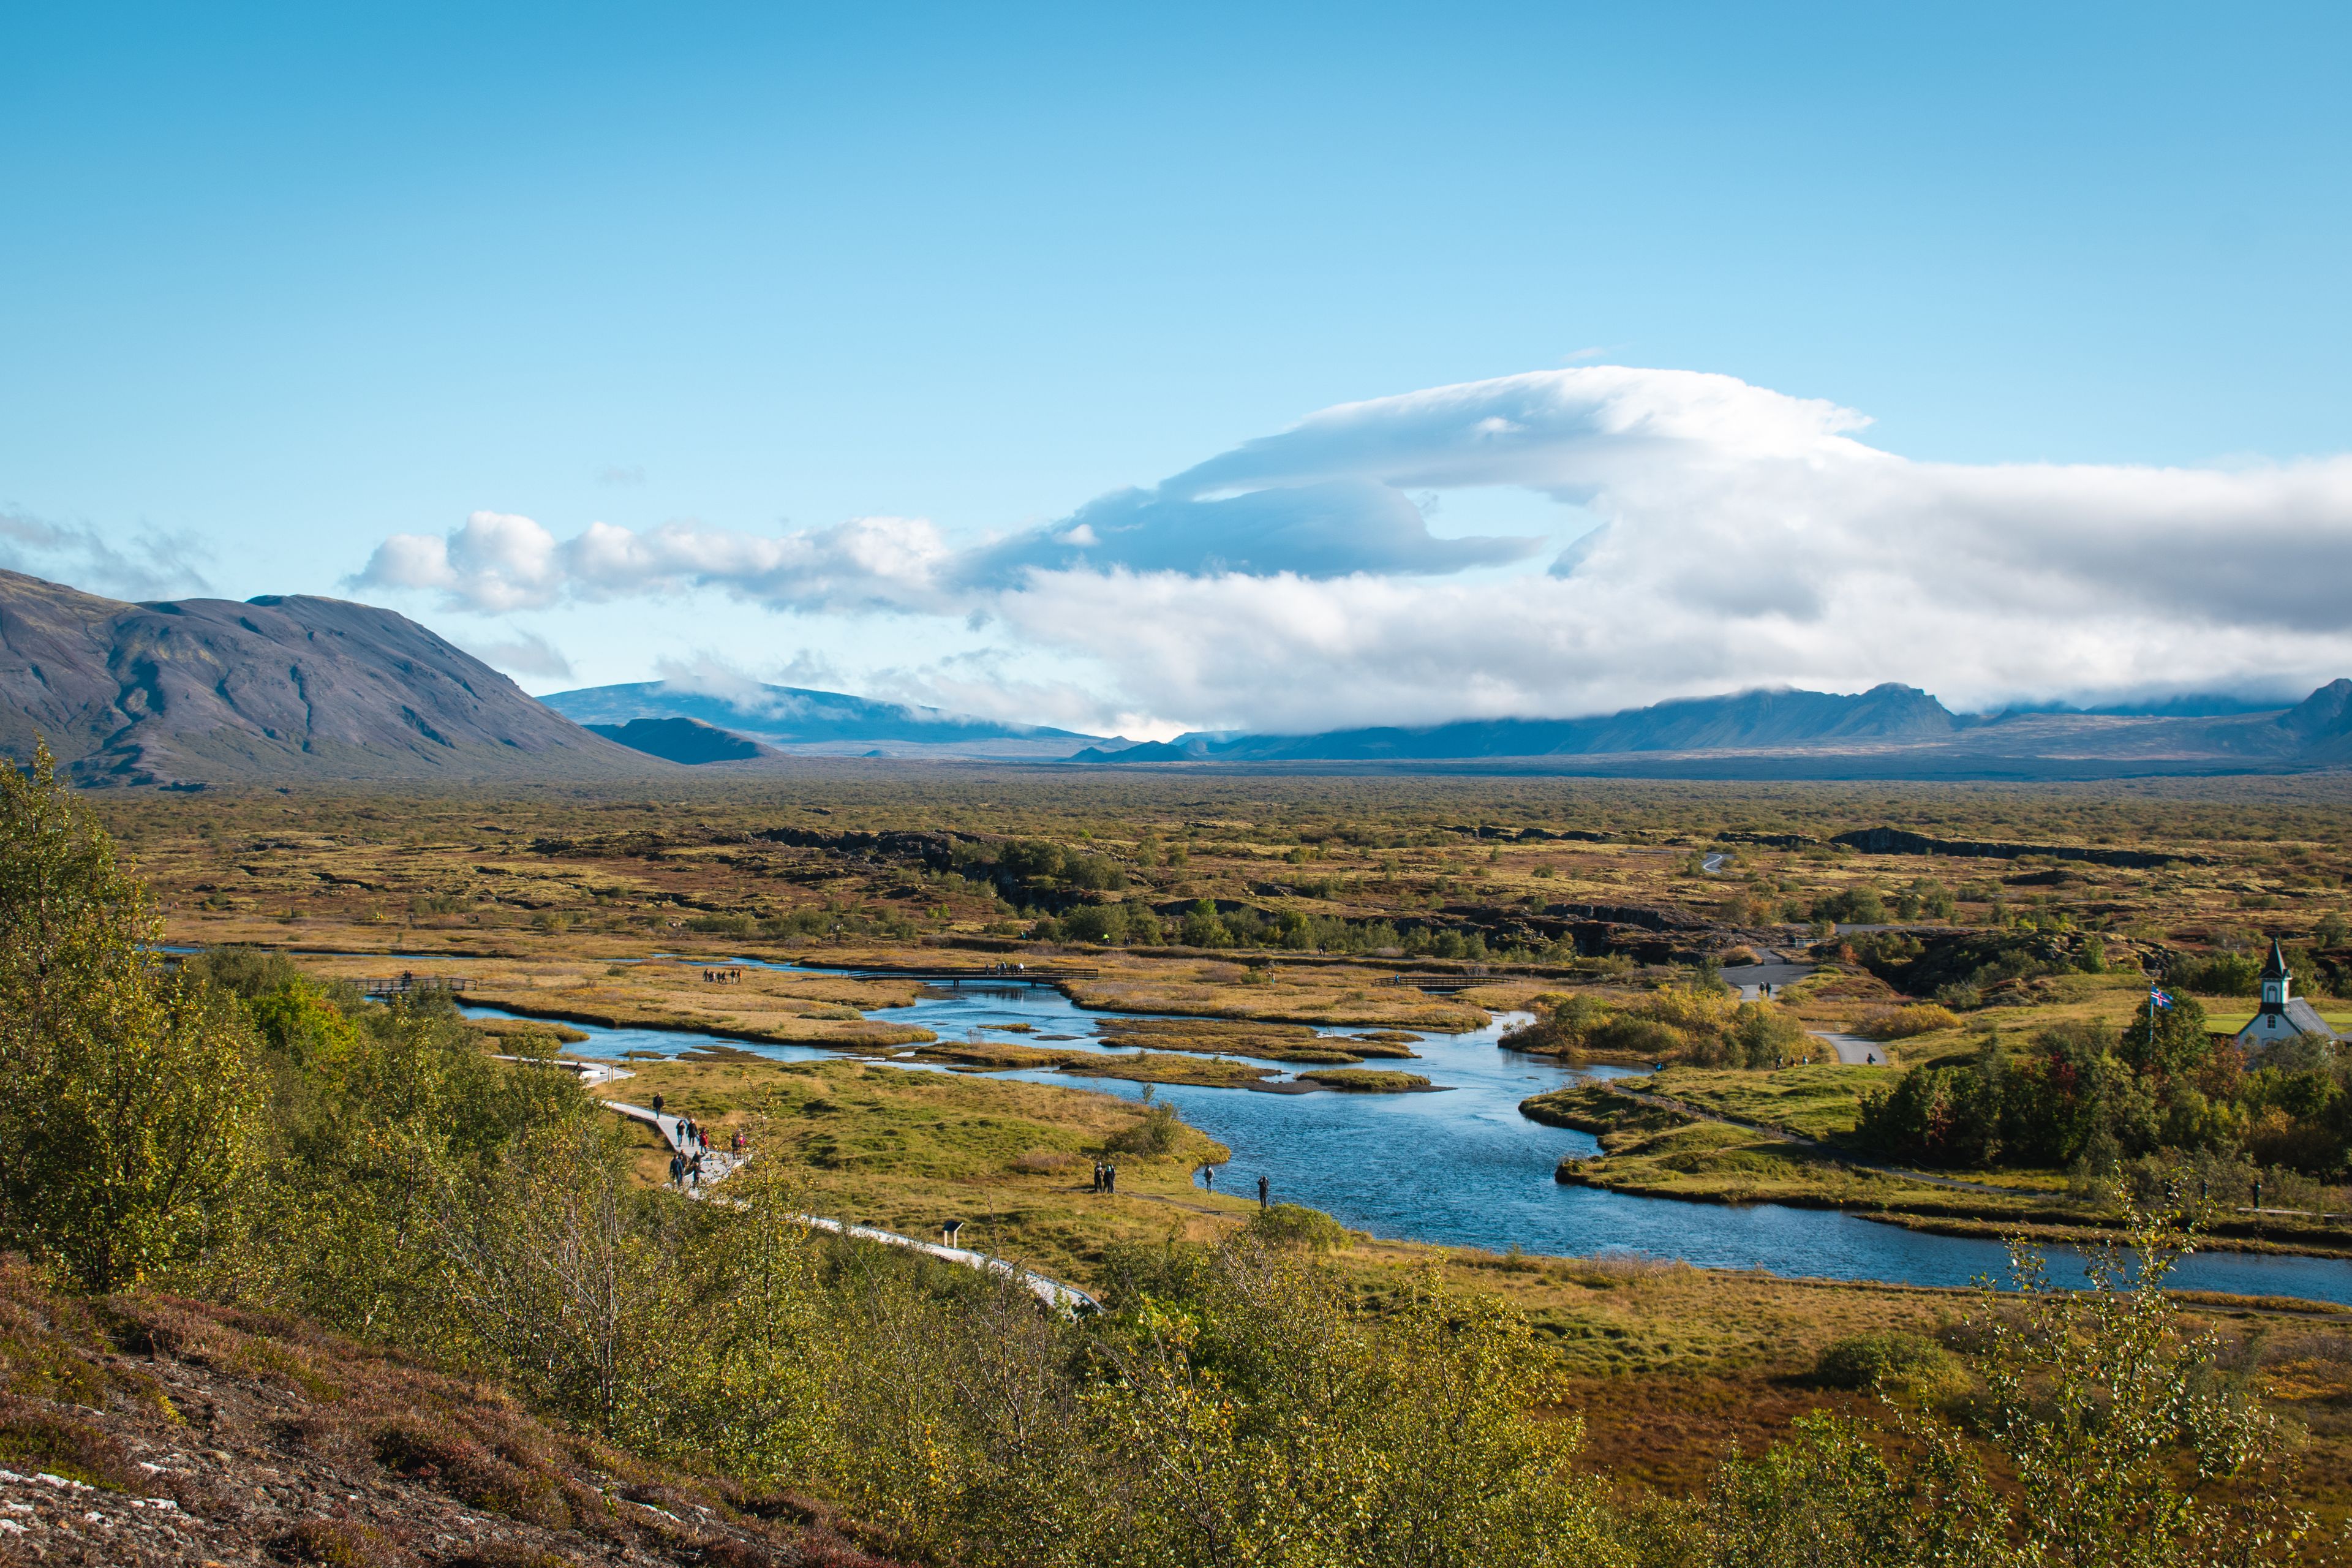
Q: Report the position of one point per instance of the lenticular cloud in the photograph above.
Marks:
(1745, 538)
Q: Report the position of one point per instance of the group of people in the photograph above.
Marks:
(1106, 1177)
(687, 1166)
(1008, 969)
(723, 977)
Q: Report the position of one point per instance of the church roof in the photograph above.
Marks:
(2276, 968)
(2299, 1018)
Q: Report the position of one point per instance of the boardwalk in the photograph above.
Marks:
(976, 976)
(718, 1164)
(415, 984)
(1438, 984)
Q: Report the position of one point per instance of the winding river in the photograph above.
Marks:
(1463, 1168)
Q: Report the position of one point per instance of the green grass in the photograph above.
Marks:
(1819, 1101)
(1365, 1081)
(2224, 1018)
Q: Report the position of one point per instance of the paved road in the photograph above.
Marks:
(1713, 864)
(1853, 1049)
(1752, 977)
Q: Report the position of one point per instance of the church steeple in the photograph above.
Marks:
(2275, 980)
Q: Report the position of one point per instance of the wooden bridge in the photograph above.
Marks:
(1438, 984)
(415, 984)
(976, 976)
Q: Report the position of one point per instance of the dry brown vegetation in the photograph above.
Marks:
(164, 1431)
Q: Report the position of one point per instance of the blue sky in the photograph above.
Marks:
(285, 283)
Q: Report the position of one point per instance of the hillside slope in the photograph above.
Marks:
(210, 690)
(141, 1431)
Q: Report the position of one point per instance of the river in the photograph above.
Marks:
(1463, 1168)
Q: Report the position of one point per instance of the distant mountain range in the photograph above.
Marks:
(210, 690)
(279, 689)
(791, 719)
(1888, 731)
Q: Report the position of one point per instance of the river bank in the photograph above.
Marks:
(1688, 1147)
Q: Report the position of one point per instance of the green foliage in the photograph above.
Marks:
(2169, 1041)
(2217, 975)
(1890, 1361)
(2082, 1097)
(132, 1111)
(1153, 1133)
(1852, 906)
(1903, 1023)
(1293, 1224)
(1565, 1030)
(1836, 1495)
(2125, 1446)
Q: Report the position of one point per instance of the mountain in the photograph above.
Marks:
(209, 690)
(791, 719)
(687, 741)
(1887, 732)
(1750, 719)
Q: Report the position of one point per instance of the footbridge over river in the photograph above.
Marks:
(1010, 975)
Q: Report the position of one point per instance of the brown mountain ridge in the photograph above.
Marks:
(187, 692)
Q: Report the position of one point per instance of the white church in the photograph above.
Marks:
(2284, 1017)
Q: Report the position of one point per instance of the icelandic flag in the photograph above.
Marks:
(2156, 998)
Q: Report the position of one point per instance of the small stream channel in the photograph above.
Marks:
(1463, 1168)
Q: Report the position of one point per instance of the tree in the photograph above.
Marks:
(133, 1109)
(2125, 1446)
(2167, 1041)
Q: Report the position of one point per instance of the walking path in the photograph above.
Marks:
(1852, 1050)
(718, 1164)
(1052, 1293)
(1751, 978)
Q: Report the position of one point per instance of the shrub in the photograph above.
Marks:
(1294, 1224)
(33, 1439)
(1902, 1022)
(711, 925)
(1638, 1038)
(1852, 906)
(336, 1544)
(1152, 1134)
(1566, 1032)
(1892, 1361)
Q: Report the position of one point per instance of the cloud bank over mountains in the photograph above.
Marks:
(1745, 538)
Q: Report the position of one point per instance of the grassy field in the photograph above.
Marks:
(464, 872)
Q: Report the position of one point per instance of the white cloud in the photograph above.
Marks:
(155, 566)
(527, 653)
(498, 561)
(1746, 538)
(708, 674)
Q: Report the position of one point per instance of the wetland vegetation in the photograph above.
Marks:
(1264, 1385)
